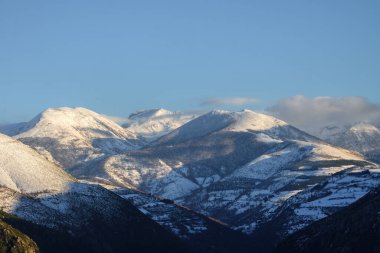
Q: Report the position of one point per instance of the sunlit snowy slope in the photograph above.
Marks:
(73, 135)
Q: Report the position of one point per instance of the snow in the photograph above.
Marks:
(249, 120)
(261, 137)
(219, 120)
(322, 151)
(290, 170)
(206, 124)
(180, 221)
(337, 191)
(71, 135)
(290, 163)
(152, 124)
(247, 228)
(24, 170)
(77, 122)
(150, 113)
(266, 165)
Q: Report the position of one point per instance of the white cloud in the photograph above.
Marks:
(235, 101)
(313, 113)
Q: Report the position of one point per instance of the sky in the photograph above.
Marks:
(116, 57)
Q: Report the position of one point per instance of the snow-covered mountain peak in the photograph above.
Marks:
(227, 121)
(241, 121)
(249, 120)
(78, 121)
(72, 135)
(150, 113)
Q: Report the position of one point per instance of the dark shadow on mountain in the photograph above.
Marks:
(98, 131)
(89, 218)
(217, 237)
(111, 146)
(220, 152)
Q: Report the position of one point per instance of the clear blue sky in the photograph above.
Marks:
(116, 57)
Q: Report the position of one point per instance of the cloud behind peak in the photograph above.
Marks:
(315, 112)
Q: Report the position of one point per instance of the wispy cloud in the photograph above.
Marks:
(313, 113)
(235, 101)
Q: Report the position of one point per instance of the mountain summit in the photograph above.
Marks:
(225, 121)
(71, 135)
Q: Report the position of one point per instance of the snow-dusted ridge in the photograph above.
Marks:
(72, 135)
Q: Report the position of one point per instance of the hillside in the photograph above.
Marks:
(355, 228)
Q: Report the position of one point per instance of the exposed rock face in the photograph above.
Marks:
(13, 241)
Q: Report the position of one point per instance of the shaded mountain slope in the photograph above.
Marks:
(356, 228)
(199, 232)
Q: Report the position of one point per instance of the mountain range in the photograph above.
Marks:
(214, 182)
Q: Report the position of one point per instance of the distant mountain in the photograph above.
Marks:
(69, 136)
(242, 168)
(361, 137)
(40, 192)
(154, 123)
(12, 129)
(355, 228)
